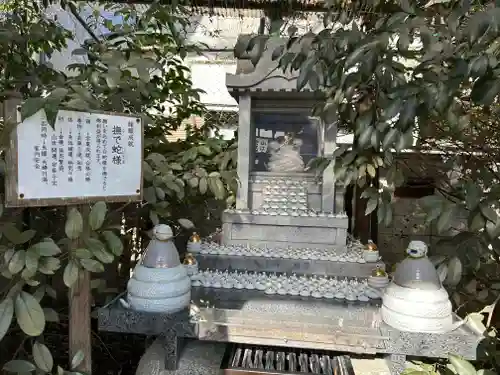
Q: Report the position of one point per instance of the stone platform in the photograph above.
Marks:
(283, 231)
(289, 266)
(205, 358)
(303, 322)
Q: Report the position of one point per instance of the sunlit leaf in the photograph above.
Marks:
(97, 215)
(42, 357)
(6, 315)
(186, 223)
(92, 265)
(29, 314)
(70, 275)
(114, 243)
(77, 359)
(19, 366)
(74, 224)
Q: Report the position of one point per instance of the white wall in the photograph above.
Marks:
(210, 76)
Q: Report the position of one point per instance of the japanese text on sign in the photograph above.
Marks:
(84, 155)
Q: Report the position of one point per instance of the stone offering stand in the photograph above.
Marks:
(284, 223)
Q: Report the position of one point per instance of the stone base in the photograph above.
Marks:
(283, 231)
(196, 358)
(205, 358)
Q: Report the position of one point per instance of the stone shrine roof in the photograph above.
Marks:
(265, 75)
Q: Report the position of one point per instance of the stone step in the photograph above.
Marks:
(205, 358)
(283, 265)
(283, 231)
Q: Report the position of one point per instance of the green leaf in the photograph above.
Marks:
(31, 260)
(493, 229)
(45, 248)
(29, 314)
(99, 250)
(74, 224)
(488, 212)
(485, 90)
(359, 53)
(153, 216)
(486, 372)
(462, 366)
(114, 242)
(92, 265)
(371, 205)
(15, 236)
(388, 215)
(51, 111)
(31, 106)
(42, 357)
(203, 185)
(19, 366)
(445, 219)
(83, 253)
(6, 315)
(97, 215)
(389, 139)
(454, 274)
(70, 275)
(472, 195)
(277, 52)
(371, 170)
(77, 359)
(50, 315)
(186, 223)
(365, 137)
(476, 221)
(17, 261)
(48, 265)
(26, 236)
(204, 150)
(415, 372)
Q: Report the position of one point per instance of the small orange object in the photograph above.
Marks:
(189, 259)
(195, 237)
(370, 246)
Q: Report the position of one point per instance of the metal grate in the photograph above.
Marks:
(247, 359)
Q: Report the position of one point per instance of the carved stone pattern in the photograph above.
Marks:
(171, 343)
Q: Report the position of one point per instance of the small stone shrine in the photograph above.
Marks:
(285, 287)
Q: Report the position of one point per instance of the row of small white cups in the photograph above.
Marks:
(350, 295)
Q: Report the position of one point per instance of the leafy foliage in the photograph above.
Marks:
(457, 366)
(136, 68)
(419, 77)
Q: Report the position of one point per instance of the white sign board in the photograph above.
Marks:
(86, 156)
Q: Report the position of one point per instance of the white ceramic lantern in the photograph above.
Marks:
(415, 300)
(370, 253)
(160, 283)
(194, 243)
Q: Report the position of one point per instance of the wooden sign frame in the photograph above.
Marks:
(12, 196)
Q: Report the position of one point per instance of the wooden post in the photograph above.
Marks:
(80, 297)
